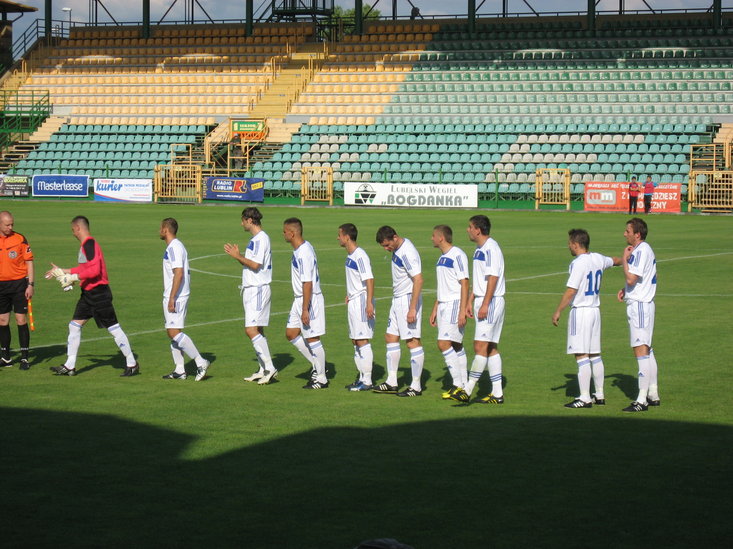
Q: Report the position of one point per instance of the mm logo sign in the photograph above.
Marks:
(600, 197)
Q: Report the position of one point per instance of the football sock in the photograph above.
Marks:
(643, 362)
(451, 362)
(367, 360)
(584, 375)
(5, 341)
(477, 368)
(417, 359)
(123, 343)
(72, 344)
(653, 388)
(178, 358)
(357, 361)
(302, 346)
(319, 360)
(259, 342)
(462, 366)
(24, 339)
(596, 363)
(393, 362)
(495, 375)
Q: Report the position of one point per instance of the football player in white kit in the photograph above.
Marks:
(486, 305)
(584, 324)
(256, 294)
(405, 313)
(640, 271)
(176, 290)
(449, 311)
(307, 319)
(359, 304)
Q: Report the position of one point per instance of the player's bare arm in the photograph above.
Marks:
(469, 305)
(370, 298)
(483, 310)
(31, 280)
(417, 283)
(175, 286)
(305, 316)
(233, 251)
(434, 314)
(565, 300)
(462, 309)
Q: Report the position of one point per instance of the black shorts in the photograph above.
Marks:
(12, 296)
(97, 304)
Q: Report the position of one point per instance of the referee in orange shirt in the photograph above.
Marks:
(16, 288)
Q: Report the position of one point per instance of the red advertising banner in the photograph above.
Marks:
(604, 196)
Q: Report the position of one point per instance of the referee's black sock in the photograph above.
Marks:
(24, 338)
(5, 341)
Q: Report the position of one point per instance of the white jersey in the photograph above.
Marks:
(358, 271)
(586, 273)
(488, 261)
(405, 266)
(304, 268)
(258, 250)
(643, 264)
(452, 267)
(175, 257)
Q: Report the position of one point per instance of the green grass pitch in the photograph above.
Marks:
(97, 460)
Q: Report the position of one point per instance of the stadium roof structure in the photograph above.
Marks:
(14, 7)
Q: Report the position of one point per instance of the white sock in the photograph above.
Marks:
(259, 342)
(417, 359)
(357, 362)
(319, 360)
(643, 362)
(478, 366)
(367, 361)
(187, 346)
(596, 363)
(122, 343)
(653, 388)
(462, 367)
(302, 345)
(393, 362)
(495, 375)
(451, 362)
(584, 375)
(178, 359)
(72, 344)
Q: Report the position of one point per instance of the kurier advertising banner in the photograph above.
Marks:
(14, 185)
(602, 196)
(228, 188)
(60, 185)
(408, 195)
(123, 190)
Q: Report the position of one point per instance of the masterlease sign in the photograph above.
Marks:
(61, 185)
(409, 195)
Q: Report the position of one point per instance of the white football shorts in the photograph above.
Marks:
(447, 320)
(360, 325)
(584, 331)
(397, 321)
(489, 329)
(641, 322)
(176, 320)
(256, 302)
(317, 326)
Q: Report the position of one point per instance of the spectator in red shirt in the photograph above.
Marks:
(634, 189)
(649, 187)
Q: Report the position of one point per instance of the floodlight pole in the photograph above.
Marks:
(146, 19)
(249, 15)
(591, 16)
(471, 16)
(48, 13)
(717, 13)
(358, 17)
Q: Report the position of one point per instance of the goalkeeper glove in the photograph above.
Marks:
(67, 280)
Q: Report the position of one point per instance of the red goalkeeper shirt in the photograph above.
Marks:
(92, 270)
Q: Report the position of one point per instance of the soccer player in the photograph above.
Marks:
(256, 294)
(486, 306)
(94, 302)
(307, 319)
(360, 305)
(405, 313)
(176, 290)
(640, 271)
(17, 280)
(584, 325)
(449, 311)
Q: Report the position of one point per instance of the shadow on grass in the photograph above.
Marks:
(91, 480)
(626, 383)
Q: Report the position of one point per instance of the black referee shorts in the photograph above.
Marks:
(97, 304)
(12, 296)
